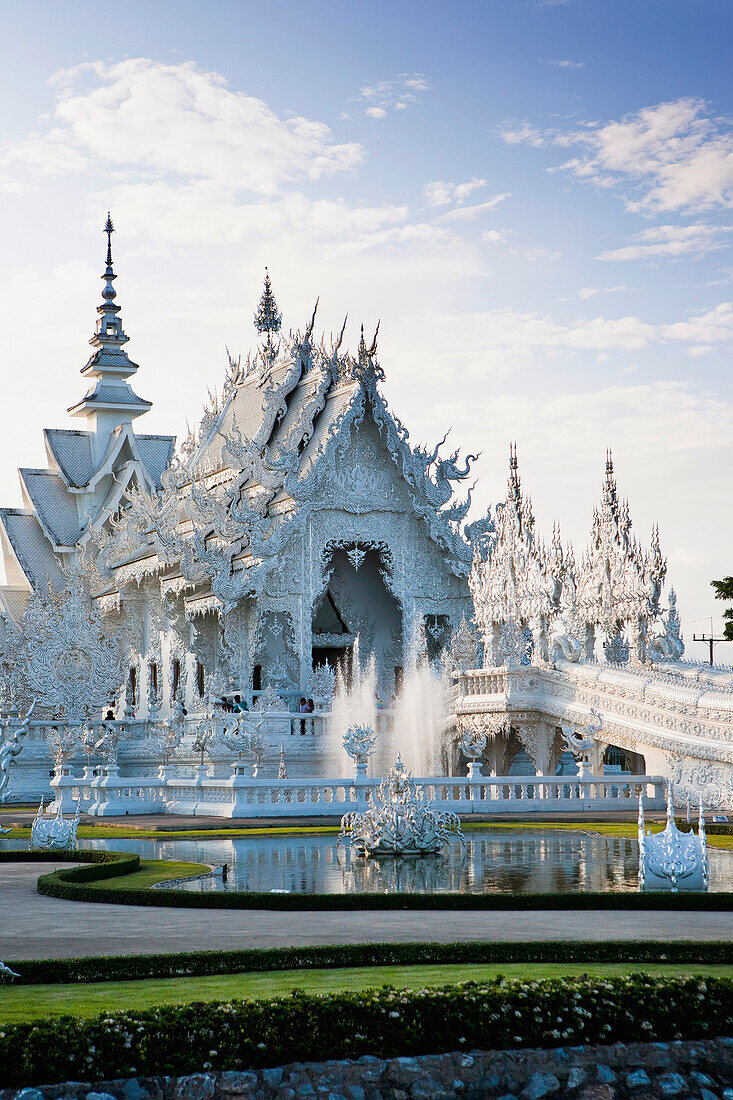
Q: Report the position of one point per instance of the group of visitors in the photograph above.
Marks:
(236, 705)
(306, 706)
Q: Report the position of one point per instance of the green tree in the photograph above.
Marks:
(724, 591)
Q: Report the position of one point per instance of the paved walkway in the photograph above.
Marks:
(32, 926)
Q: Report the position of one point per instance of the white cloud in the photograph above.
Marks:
(521, 133)
(441, 193)
(673, 156)
(566, 64)
(405, 90)
(468, 213)
(712, 326)
(177, 120)
(590, 291)
(672, 240)
(205, 212)
(493, 236)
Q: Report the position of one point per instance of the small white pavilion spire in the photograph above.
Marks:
(110, 401)
(268, 318)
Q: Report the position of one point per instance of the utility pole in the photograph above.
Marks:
(710, 640)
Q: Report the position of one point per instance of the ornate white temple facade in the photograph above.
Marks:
(589, 643)
(153, 583)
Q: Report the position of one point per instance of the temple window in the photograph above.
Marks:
(176, 678)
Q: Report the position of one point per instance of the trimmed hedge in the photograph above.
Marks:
(178, 1040)
(69, 885)
(116, 968)
(74, 855)
(712, 829)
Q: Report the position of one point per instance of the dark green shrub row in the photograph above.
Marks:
(198, 963)
(75, 855)
(713, 829)
(68, 885)
(121, 864)
(179, 1040)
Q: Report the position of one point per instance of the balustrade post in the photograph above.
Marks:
(474, 776)
(361, 784)
(63, 783)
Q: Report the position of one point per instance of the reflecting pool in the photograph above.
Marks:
(493, 861)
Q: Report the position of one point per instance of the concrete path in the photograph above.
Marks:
(32, 926)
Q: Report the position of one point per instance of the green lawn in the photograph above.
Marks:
(152, 871)
(31, 1002)
(118, 832)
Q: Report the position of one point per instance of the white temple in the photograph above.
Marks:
(154, 583)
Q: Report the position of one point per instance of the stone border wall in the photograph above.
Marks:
(640, 1071)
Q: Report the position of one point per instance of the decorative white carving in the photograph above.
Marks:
(70, 663)
(465, 646)
(581, 740)
(515, 580)
(668, 646)
(245, 742)
(359, 743)
(52, 833)
(13, 732)
(401, 822)
(672, 860)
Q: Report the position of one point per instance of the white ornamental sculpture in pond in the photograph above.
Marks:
(401, 822)
(71, 664)
(672, 860)
(50, 832)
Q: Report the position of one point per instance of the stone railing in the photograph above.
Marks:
(110, 794)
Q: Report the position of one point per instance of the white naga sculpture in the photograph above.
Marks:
(52, 833)
(473, 743)
(672, 860)
(579, 742)
(400, 822)
(11, 746)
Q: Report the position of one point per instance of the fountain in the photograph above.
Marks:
(401, 822)
(419, 714)
(354, 702)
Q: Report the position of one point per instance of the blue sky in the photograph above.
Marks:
(534, 197)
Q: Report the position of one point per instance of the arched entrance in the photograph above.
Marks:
(357, 601)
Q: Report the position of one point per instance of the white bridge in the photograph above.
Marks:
(675, 720)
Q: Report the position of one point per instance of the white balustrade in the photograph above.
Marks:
(244, 797)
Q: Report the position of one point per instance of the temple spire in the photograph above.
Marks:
(109, 230)
(268, 317)
(514, 479)
(110, 401)
(610, 491)
(109, 325)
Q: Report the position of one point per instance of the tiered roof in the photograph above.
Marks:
(90, 472)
